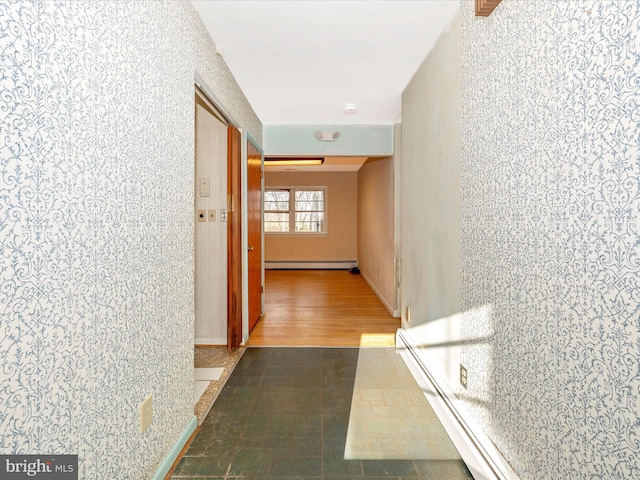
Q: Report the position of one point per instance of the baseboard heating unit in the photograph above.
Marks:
(482, 458)
(310, 265)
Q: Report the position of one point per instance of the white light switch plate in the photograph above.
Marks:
(205, 187)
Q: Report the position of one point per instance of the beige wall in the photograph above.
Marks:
(340, 243)
(431, 200)
(376, 227)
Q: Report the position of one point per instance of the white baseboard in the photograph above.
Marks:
(392, 311)
(320, 265)
(482, 458)
(210, 341)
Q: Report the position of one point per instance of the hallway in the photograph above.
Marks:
(504, 189)
(326, 409)
(321, 413)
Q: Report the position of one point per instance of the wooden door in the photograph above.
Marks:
(254, 232)
(234, 239)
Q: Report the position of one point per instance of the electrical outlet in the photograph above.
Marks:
(223, 215)
(202, 215)
(146, 413)
(463, 376)
(212, 215)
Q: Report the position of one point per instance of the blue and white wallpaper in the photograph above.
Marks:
(551, 233)
(96, 225)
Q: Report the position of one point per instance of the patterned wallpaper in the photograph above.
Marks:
(551, 233)
(96, 226)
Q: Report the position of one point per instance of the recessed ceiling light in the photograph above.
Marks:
(350, 108)
(291, 161)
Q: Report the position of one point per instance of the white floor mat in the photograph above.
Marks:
(202, 377)
(199, 388)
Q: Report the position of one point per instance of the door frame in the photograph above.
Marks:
(234, 239)
(216, 334)
(237, 241)
(235, 272)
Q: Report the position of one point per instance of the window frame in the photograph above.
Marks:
(292, 211)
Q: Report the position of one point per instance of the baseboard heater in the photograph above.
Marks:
(310, 265)
(482, 458)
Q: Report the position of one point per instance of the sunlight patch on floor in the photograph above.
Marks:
(390, 417)
(377, 340)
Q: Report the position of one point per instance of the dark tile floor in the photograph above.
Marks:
(321, 413)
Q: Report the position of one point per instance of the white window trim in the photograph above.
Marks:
(292, 212)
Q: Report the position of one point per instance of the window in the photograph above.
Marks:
(295, 210)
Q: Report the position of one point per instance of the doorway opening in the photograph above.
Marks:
(331, 216)
(211, 223)
(228, 228)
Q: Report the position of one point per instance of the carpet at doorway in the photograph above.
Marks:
(212, 360)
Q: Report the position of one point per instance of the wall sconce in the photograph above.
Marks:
(326, 136)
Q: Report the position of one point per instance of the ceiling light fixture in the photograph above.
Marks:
(292, 161)
(350, 108)
(326, 136)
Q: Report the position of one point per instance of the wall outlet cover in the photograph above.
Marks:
(463, 376)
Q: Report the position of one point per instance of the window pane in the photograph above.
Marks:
(300, 212)
(277, 195)
(270, 206)
(276, 222)
(309, 200)
(276, 200)
(309, 222)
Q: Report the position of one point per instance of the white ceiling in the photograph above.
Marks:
(299, 62)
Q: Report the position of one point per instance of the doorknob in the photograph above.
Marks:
(250, 249)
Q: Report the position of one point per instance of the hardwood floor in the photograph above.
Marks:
(329, 308)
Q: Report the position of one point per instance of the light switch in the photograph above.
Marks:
(202, 215)
(205, 187)
(212, 215)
